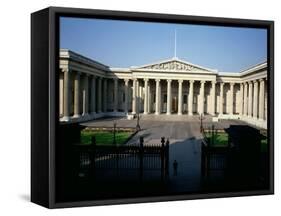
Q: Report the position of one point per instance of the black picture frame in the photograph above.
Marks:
(44, 98)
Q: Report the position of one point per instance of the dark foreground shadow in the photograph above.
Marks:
(189, 168)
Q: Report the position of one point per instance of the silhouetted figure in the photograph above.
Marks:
(175, 165)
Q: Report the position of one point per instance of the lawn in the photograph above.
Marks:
(264, 145)
(104, 137)
(220, 139)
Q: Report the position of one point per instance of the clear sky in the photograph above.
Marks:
(130, 43)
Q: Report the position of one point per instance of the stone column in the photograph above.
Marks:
(145, 96)
(245, 112)
(126, 86)
(134, 98)
(61, 93)
(241, 99)
(261, 100)
(255, 100)
(138, 100)
(93, 96)
(169, 97)
(180, 98)
(202, 94)
(266, 108)
(149, 98)
(99, 94)
(66, 95)
(160, 98)
(250, 100)
(77, 95)
(190, 98)
(157, 96)
(221, 98)
(115, 108)
(105, 95)
(213, 98)
(86, 95)
(231, 98)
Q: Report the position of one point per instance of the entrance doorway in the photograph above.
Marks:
(175, 105)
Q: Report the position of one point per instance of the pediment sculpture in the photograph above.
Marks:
(174, 65)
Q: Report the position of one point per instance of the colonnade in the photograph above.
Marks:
(94, 95)
(254, 99)
(251, 101)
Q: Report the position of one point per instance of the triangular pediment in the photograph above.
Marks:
(174, 64)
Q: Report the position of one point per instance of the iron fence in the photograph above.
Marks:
(128, 162)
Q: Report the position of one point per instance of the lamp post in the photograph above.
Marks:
(213, 135)
(138, 122)
(201, 122)
(114, 132)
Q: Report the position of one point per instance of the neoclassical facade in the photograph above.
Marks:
(90, 90)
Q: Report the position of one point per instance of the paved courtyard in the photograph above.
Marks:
(185, 142)
(173, 127)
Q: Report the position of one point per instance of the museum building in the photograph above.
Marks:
(89, 90)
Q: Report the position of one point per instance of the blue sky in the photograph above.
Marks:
(130, 43)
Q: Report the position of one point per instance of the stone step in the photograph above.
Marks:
(174, 117)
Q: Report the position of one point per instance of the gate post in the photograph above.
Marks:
(167, 158)
(141, 152)
(162, 156)
(93, 157)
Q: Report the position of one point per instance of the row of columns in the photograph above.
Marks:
(169, 97)
(101, 94)
(252, 104)
(253, 95)
(134, 99)
(221, 102)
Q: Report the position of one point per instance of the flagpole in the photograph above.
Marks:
(175, 48)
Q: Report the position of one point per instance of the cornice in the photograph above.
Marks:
(66, 54)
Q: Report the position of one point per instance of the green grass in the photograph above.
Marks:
(220, 139)
(104, 137)
(264, 145)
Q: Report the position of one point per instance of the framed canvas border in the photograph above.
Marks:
(47, 21)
